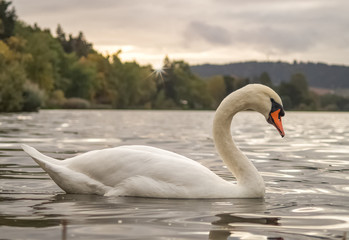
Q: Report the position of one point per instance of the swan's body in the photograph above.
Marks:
(144, 171)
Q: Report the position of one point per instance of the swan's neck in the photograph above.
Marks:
(241, 167)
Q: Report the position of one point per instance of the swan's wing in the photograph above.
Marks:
(114, 166)
(155, 150)
(142, 186)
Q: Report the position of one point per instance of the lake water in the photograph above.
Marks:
(306, 174)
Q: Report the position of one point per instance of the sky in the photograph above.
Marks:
(202, 31)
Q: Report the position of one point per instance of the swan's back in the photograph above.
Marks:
(134, 171)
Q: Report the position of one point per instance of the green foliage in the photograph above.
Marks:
(234, 83)
(78, 45)
(229, 82)
(296, 92)
(32, 97)
(185, 89)
(291, 94)
(81, 80)
(101, 91)
(76, 103)
(264, 79)
(46, 57)
(134, 86)
(7, 20)
(331, 102)
(12, 78)
(221, 86)
(162, 102)
(56, 100)
(217, 89)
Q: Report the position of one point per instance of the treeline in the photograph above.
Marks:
(295, 93)
(318, 75)
(39, 70)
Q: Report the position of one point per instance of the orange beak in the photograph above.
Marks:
(275, 119)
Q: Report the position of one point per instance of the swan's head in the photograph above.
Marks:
(267, 102)
(255, 97)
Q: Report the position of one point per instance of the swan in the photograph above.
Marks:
(144, 171)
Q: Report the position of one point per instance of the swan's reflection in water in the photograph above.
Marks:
(221, 234)
(254, 226)
(141, 218)
(64, 224)
(171, 213)
(226, 219)
(228, 223)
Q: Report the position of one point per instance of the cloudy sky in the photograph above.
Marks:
(202, 31)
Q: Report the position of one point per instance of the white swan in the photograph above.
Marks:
(144, 171)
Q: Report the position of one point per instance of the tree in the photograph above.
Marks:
(217, 89)
(81, 78)
(234, 83)
(7, 20)
(81, 46)
(331, 102)
(240, 82)
(265, 80)
(32, 97)
(78, 45)
(12, 78)
(102, 90)
(299, 81)
(291, 96)
(135, 87)
(44, 69)
(167, 83)
(229, 82)
(184, 88)
(295, 93)
(61, 38)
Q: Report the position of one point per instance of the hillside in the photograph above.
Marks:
(318, 75)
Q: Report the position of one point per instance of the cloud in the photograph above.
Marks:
(211, 34)
(283, 40)
(285, 29)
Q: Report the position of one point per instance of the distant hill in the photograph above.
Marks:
(319, 75)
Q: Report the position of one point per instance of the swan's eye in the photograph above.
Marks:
(276, 106)
(282, 112)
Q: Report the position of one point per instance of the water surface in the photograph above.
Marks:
(306, 174)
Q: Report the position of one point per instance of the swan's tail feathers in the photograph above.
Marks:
(41, 159)
(67, 179)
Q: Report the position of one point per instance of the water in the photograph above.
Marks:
(306, 174)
